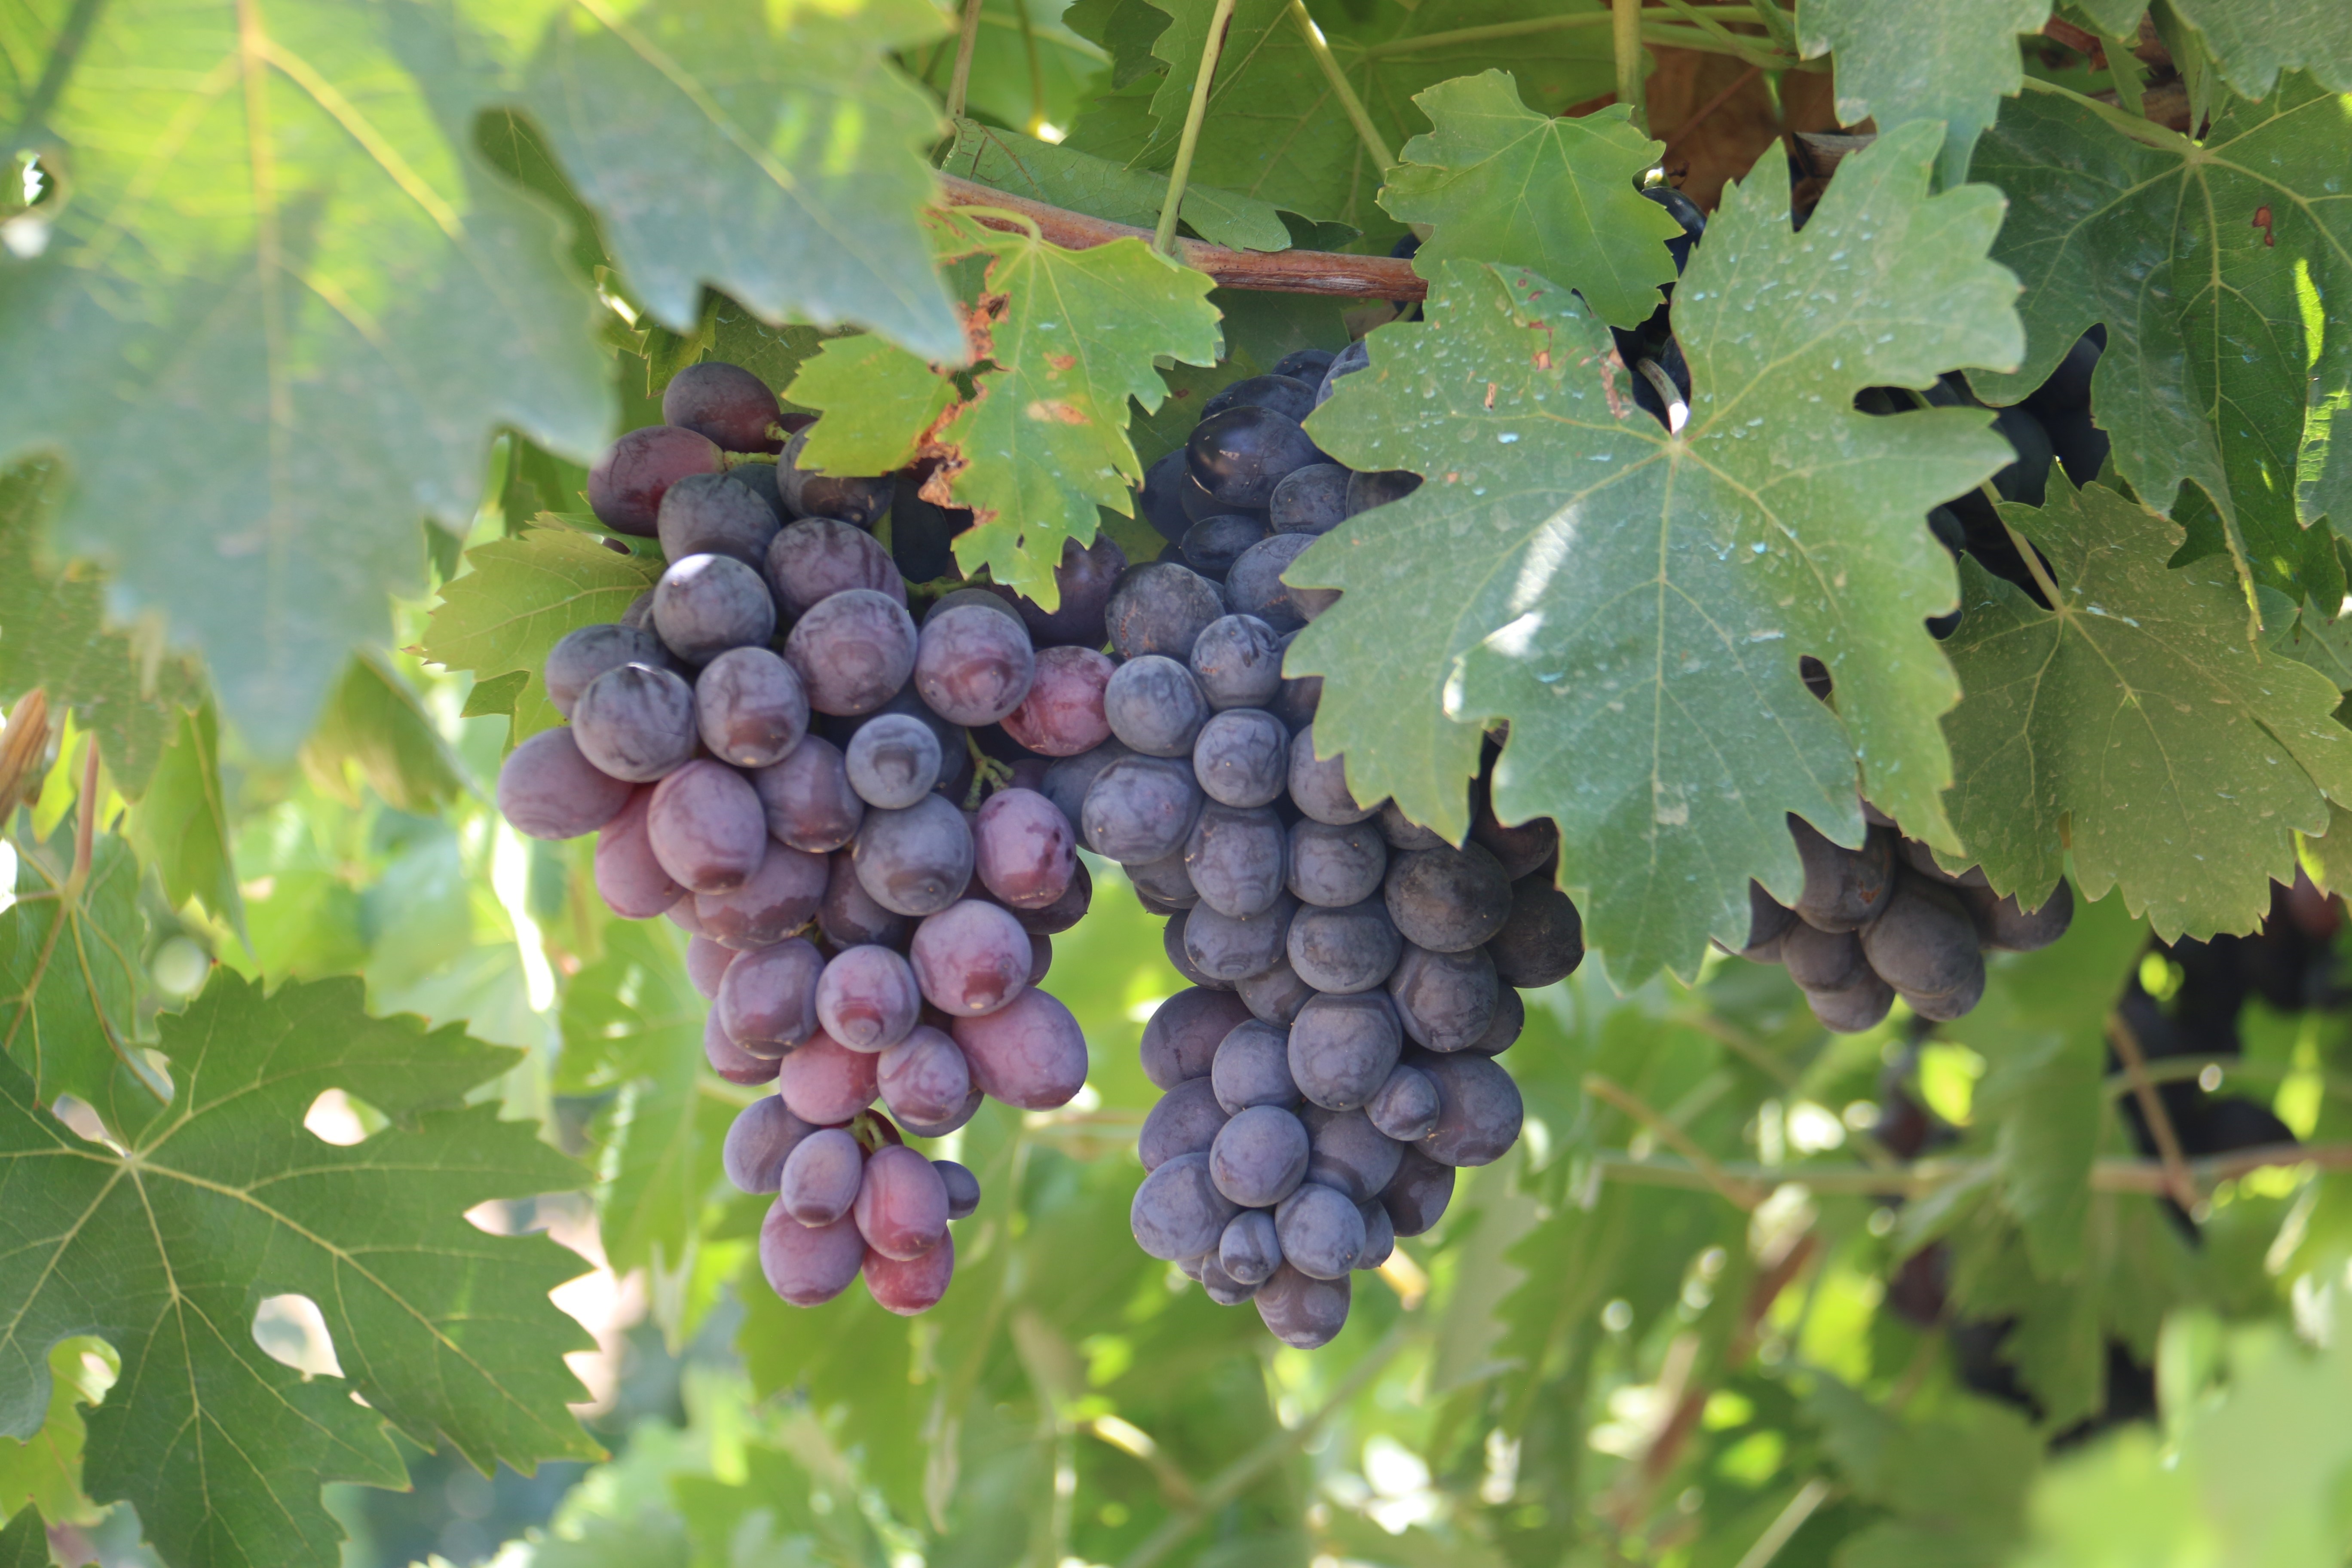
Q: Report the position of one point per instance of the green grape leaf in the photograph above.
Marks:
(519, 599)
(2220, 271)
(1637, 603)
(1497, 181)
(44, 1469)
(182, 825)
(890, 403)
(1066, 177)
(165, 1241)
(1900, 60)
(2256, 41)
(70, 973)
(53, 635)
(262, 381)
(2130, 729)
(24, 1543)
(632, 1022)
(1125, 29)
(774, 154)
(1276, 132)
(1029, 68)
(375, 727)
(775, 355)
(2310, 635)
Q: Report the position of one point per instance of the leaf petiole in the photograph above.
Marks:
(1163, 239)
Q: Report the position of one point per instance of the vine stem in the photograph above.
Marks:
(2121, 1035)
(1197, 111)
(1742, 1194)
(1328, 64)
(1625, 43)
(960, 79)
(85, 818)
(1281, 271)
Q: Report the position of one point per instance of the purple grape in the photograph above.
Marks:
(1237, 662)
(972, 958)
(548, 789)
(1446, 1001)
(1030, 1053)
(1164, 885)
(1041, 958)
(710, 514)
(2006, 925)
(814, 560)
(974, 664)
(1160, 607)
(812, 493)
(758, 1141)
(1178, 1211)
(1022, 850)
(1375, 488)
(1159, 501)
(908, 1286)
(807, 799)
(760, 478)
(1140, 808)
(1379, 1236)
(1311, 501)
(848, 918)
(777, 900)
(1321, 1233)
(1063, 912)
(626, 484)
(893, 762)
(1417, 1195)
(1822, 961)
(1308, 365)
(1403, 834)
(730, 1061)
(1259, 1156)
(1946, 1006)
(1349, 1154)
(964, 1113)
(1221, 1287)
(1068, 779)
(1186, 1120)
(1255, 585)
(1406, 1107)
(1844, 888)
(766, 1000)
(1332, 866)
(1342, 1049)
(825, 1082)
(707, 827)
(1247, 1249)
(1211, 545)
(725, 402)
(583, 655)
(819, 1180)
(902, 1205)
(707, 963)
(1346, 950)
(963, 1188)
(1518, 850)
(1296, 703)
(805, 1266)
(1242, 757)
(705, 605)
(1180, 1041)
(1446, 900)
(1238, 455)
(1275, 997)
(1852, 1008)
(1154, 706)
(636, 722)
(1356, 356)
(1303, 1312)
(1510, 1019)
(1085, 578)
(1171, 937)
(1230, 949)
(748, 708)
(867, 999)
(1318, 786)
(1251, 1066)
(1542, 938)
(1280, 392)
(631, 882)
(1478, 1110)
(853, 651)
(1923, 944)
(1062, 716)
(1236, 860)
(917, 861)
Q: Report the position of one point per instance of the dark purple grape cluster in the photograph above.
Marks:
(1884, 921)
(1353, 974)
(776, 756)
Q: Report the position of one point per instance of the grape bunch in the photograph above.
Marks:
(1885, 920)
(1352, 974)
(773, 754)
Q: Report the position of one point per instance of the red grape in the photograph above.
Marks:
(924, 1078)
(809, 1267)
(630, 880)
(909, 1286)
(902, 1205)
(970, 958)
(548, 789)
(1023, 848)
(1063, 713)
(825, 1082)
(1030, 1054)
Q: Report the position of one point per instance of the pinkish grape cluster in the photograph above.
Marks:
(775, 755)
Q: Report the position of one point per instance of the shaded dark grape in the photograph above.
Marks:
(748, 708)
(1406, 1107)
(1084, 578)
(760, 478)
(706, 964)
(1923, 944)
(1041, 958)
(1030, 1053)
(1310, 500)
(1255, 585)
(1308, 365)
(1154, 706)
(963, 1188)
(707, 827)
(808, 1267)
(1853, 1008)
(1822, 960)
(710, 514)
(893, 762)
(1063, 713)
(639, 616)
(812, 493)
(964, 1113)
(1259, 1156)
(806, 798)
(1160, 607)
(818, 1180)
(902, 1205)
(1165, 882)
(869, 999)
(1232, 949)
(848, 916)
(970, 958)
(1479, 1111)
(1275, 996)
(1945, 1006)
(1417, 1195)
(705, 605)
(1235, 862)
(909, 1285)
(631, 882)
(730, 1061)
(1248, 1250)
(1321, 1233)
(1186, 1120)
(853, 651)
(1295, 703)
(1542, 940)
(1303, 1312)
(1844, 888)
(1342, 1049)
(1140, 808)
(1068, 779)
(1404, 833)
(1237, 662)
(1178, 1211)
(1251, 1066)
(1349, 1154)
(1318, 786)
(917, 861)
(1447, 899)
(1242, 757)
(636, 722)
(1240, 455)
(1510, 1019)
(1334, 866)
(2007, 926)
(725, 402)
(774, 901)
(551, 791)
(583, 655)
(625, 485)
(1518, 850)
(1211, 545)
(1279, 392)
(1023, 849)
(1063, 912)
(820, 557)
(1367, 491)
(1160, 501)
(767, 1002)
(826, 1082)
(1446, 1001)
(1173, 943)
(1180, 1041)
(761, 1138)
(974, 664)
(1769, 920)
(1343, 951)
(1356, 356)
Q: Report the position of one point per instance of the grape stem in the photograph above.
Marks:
(2145, 1177)
(1625, 41)
(1219, 20)
(1677, 411)
(960, 79)
(988, 774)
(85, 819)
(1746, 1194)
(2160, 1130)
(1276, 271)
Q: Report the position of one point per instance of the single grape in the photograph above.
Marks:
(1542, 938)
(631, 882)
(710, 514)
(963, 1188)
(1946, 1006)
(2007, 926)
(1343, 951)
(1406, 1107)
(1318, 786)
(748, 708)
(1251, 1066)
(1030, 1053)
(767, 1001)
(626, 484)
(1518, 850)
(725, 402)
(707, 827)
(818, 1180)
(1853, 1008)
(1181, 1040)
(1342, 1049)
(1221, 1287)
(1303, 1312)
(1140, 808)
(1164, 884)
(1154, 706)
(1238, 455)
(707, 963)
(1275, 996)
(1404, 833)
(973, 663)
(1367, 491)
(1925, 944)
(1211, 545)
(826, 1082)
(1068, 779)
(1085, 578)
(917, 861)
(1478, 1110)
(1321, 1233)
(1311, 501)
(867, 999)
(970, 958)
(1173, 943)
(910, 1285)
(1259, 1156)
(812, 493)
(902, 1205)
(1446, 900)
(848, 917)
(853, 651)
(1769, 920)
(1356, 356)
(777, 899)
(1255, 585)
(1279, 392)
(1348, 1154)
(1822, 961)
(1041, 958)
(1237, 662)
(1178, 1211)
(583, 655)
(1334, 866)
(705, 605)
(730, 1061)
(1248, 1249)
(1446, 1001)
(893, 762)
(1844, 888)
(548, 789)
(806, 797)
(1242, 757)
(1063, 714)
(820, 557)
(1511, 1020)
(1186, 1120)
(1160, 607)
(1236, 861)
(636, 722)
(761, 1138)
(1158, 499)
(805, 1266)
(1232, 949)
(1417, 1195)
(1307, 364)
(1295, 703)
(1022, 850)
(1379, 1236)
